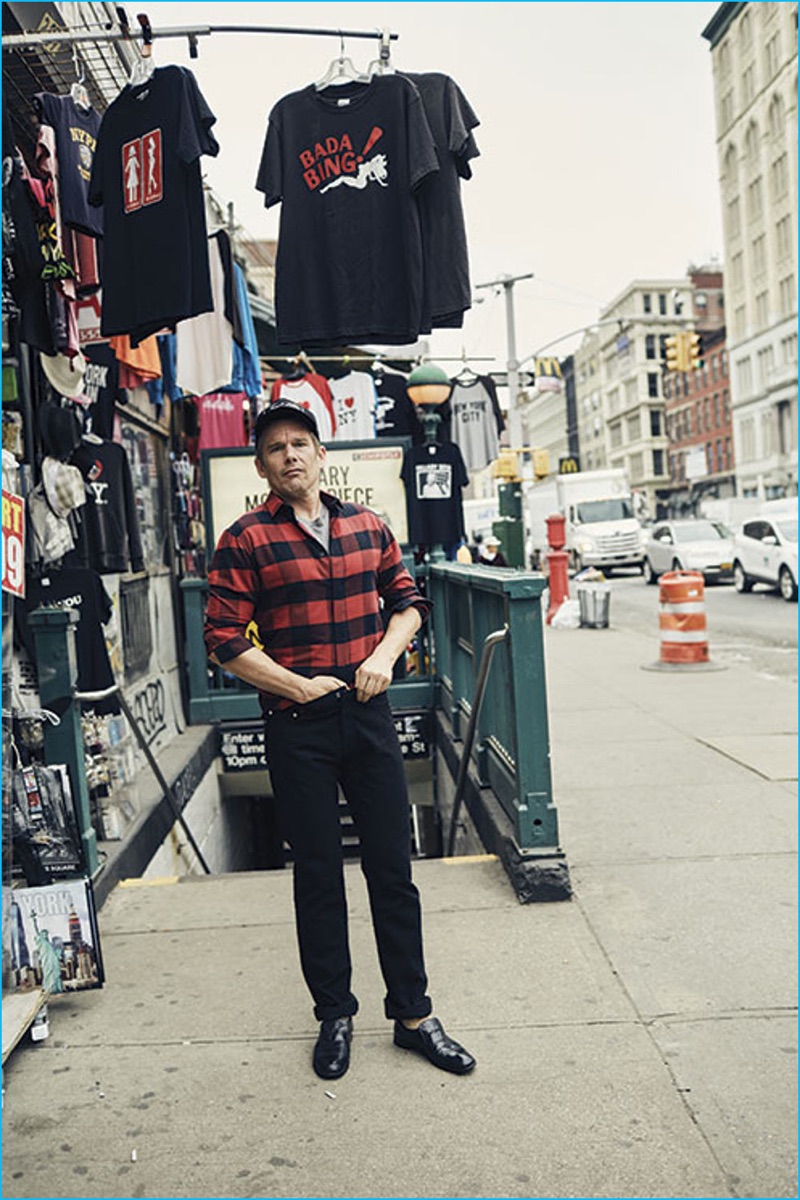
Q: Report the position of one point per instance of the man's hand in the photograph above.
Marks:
(374, 675)
(320, 685)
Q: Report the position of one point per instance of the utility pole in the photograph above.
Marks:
(512, 367)
(509, 526)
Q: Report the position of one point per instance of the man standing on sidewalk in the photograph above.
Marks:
(309, 573)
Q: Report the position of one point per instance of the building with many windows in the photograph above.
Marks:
(619, 395)
(754, 62)
(698, 408)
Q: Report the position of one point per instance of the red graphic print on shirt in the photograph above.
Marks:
(333, 161)
(141, 171)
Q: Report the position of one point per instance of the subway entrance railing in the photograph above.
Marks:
(506, 785)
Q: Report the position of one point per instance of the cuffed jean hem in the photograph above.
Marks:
(410, 1013)
(330, 1012)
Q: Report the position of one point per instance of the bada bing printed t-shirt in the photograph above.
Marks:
(345, 162)
(146, 174)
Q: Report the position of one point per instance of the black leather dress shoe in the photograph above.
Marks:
(430, 1039)
(332, 1051)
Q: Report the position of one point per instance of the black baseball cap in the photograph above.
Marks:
(285, 410)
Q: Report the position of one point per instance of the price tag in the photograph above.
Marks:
(13, 544)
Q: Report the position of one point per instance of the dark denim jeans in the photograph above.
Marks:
(310, 749)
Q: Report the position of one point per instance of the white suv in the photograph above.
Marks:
(765, 551)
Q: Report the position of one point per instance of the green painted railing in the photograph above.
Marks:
(512, 741)
(216, 695)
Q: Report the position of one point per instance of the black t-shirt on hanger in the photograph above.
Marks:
(146, 174)
(101, 385)
(444, 237)
(82, 589)
(346, 163)
(434, 476)
(394, 409)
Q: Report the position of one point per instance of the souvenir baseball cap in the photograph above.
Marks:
(63, 486)
(59, 430)
(63, 373)
(285, 410)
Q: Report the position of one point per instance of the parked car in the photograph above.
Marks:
(765, 551)
(690, 545)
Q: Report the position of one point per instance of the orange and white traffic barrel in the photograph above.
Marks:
(682, 618)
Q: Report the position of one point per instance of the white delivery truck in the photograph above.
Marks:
(601, 529)
(480, 516)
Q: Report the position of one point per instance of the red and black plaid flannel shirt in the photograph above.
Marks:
(315, 613)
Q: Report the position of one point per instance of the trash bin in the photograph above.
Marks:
(595, 601)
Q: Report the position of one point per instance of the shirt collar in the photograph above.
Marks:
(276, 506)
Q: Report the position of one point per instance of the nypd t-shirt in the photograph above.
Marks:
(76, 131)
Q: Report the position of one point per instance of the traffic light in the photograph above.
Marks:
(694, 348)
(673, 356)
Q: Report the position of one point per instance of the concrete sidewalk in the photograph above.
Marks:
(639, 1040)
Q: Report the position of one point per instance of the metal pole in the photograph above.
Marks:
(480, 687)
(514, 419)
(114, 690)
(21, 41)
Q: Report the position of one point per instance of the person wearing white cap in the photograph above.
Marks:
(490, 554)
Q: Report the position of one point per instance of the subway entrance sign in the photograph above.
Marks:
(243, 747)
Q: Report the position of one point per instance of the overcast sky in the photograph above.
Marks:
(598, 159)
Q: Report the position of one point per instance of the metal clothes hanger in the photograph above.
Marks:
(145, 65)
(466, 374)
(382, 65)
(78, 91)
(341, 70)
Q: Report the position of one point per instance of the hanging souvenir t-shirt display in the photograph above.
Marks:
(101, 386)
(146, 174)
(448, 293)
(313, 392)
(81, 589)
(222, 420)
(394, 409)
(434, 476)
(354, 404)
(76, 131)
(205, 343)
(346, 163)
(474, 411)
(109, 540)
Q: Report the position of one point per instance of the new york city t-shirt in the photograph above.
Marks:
(345, 163)
(146, 174)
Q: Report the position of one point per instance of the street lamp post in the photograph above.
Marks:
(509, 527)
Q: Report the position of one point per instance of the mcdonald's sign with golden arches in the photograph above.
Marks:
(547, 367)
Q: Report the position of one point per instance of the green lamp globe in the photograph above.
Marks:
(428, 384)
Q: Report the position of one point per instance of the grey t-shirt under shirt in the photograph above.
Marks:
(320, 527)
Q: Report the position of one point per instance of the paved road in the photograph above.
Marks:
(758, 630)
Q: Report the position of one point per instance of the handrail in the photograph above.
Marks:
(489, 644)
(114, 690)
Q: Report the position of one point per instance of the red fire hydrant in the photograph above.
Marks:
(557, 561)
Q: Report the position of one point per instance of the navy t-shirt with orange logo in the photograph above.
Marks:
(146, 174)
(346, 162)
